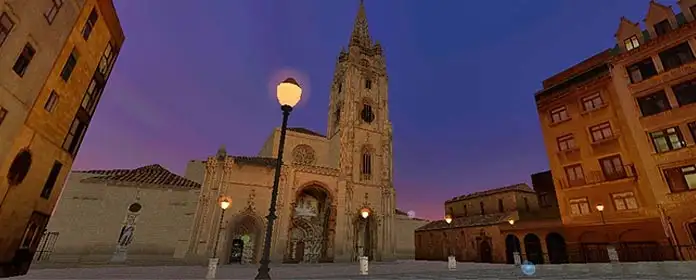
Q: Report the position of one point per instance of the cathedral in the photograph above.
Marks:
(327, 180)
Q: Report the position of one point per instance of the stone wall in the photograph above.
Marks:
(405, 231)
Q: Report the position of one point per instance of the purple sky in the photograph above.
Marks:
(193, 75)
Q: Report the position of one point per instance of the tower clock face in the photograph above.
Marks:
(367, 115)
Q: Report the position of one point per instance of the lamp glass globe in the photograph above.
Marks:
(289, 92)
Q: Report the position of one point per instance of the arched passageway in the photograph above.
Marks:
(246, 239)
(485, 251)
(512, 245)
(593, 247)
(556, 246)
(532, 246)
(312, 228)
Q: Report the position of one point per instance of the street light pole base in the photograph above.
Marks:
(212, 268)
(264, 271)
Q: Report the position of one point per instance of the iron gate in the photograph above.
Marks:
(46, 245)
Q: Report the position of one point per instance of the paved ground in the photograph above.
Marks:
(393, 270)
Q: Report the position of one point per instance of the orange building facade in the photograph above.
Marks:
(619, 129)
(56, 60)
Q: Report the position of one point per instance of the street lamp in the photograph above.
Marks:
(600, 208)
(365, 213)
(515, 253)
(289, 93)
(362, 259)
(451, 260)
(213, 261)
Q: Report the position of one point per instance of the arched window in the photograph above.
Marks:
(366, 166)
(337, 116)
(483, 211)
(367, 114)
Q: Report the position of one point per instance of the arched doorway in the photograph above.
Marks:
(556, 246)
(532, 246)
(246, 239)
(485, 251)
(312, 228)
(593, 247)
(512, 245)
(365, 241)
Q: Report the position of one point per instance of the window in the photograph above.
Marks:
(22, 63)
(107, 60)
(3, 114)
(601, 132)
(366, 166)
(69, 65)
(6, 25)
(89, 24)
(466, 210)
(662, 28)
(19, 168)
(368, 84)
(624, 201)
(337, 116)
(483, 208)
(566, 142)
(653, 104)
(501, 207)
(51, 101)
(667, 140)
(53, 10)
(544, 200)
(681, 178)
(51, 180)
(676, 56)
(612, 168)
(592, 102)
(526, 204)
(74, 138)
(92, 96)
(575, 175)
(559, 114)
(641, 70)
(366, 114)
(692, 127)
(631, 43)
(685, 92)
(340, 87)
(579, 206)
(29, 235)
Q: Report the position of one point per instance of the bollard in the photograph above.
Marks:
(517, 258)
(212, 268)
(364, 265)
(452, 263)
(613, 255)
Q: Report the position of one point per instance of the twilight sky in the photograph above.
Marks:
(193, 75)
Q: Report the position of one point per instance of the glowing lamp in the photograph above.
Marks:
(289, 92)
(365, 213)
(448, 218)
(225, 203)
(511, 221)
(600, 207)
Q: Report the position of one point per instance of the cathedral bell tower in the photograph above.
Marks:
(359, 111)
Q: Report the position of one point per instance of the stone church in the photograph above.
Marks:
(326, 180)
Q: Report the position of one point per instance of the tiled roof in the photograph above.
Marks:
(471, 221)
(258, 161)
(305, 131)
(149, 175)
(517, 187)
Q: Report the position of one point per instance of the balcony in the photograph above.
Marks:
(598, 177)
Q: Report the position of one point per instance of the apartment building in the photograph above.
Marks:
(55, 60)
(619, 132)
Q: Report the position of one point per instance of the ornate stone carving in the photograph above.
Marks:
(303, 155)
(251, 203)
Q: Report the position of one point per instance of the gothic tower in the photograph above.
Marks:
(361, 133)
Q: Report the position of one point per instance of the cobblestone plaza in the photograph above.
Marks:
(391, 270)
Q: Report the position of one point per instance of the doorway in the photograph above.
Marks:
(485, 252)
(236, 251)
(299, 251)
(532, 246)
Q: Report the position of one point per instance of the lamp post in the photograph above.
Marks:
(515, 253)
(364, 260)
(214, 261)
(611, 250)
(288, 93)
(451, 259)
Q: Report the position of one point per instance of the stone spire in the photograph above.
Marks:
(360, 35)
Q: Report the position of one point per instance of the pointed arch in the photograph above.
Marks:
(366, 161)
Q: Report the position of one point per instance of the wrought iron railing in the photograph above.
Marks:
(600, 176)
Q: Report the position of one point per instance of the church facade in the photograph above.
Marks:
(326, 180)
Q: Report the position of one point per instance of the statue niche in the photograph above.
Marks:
(310, 227)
